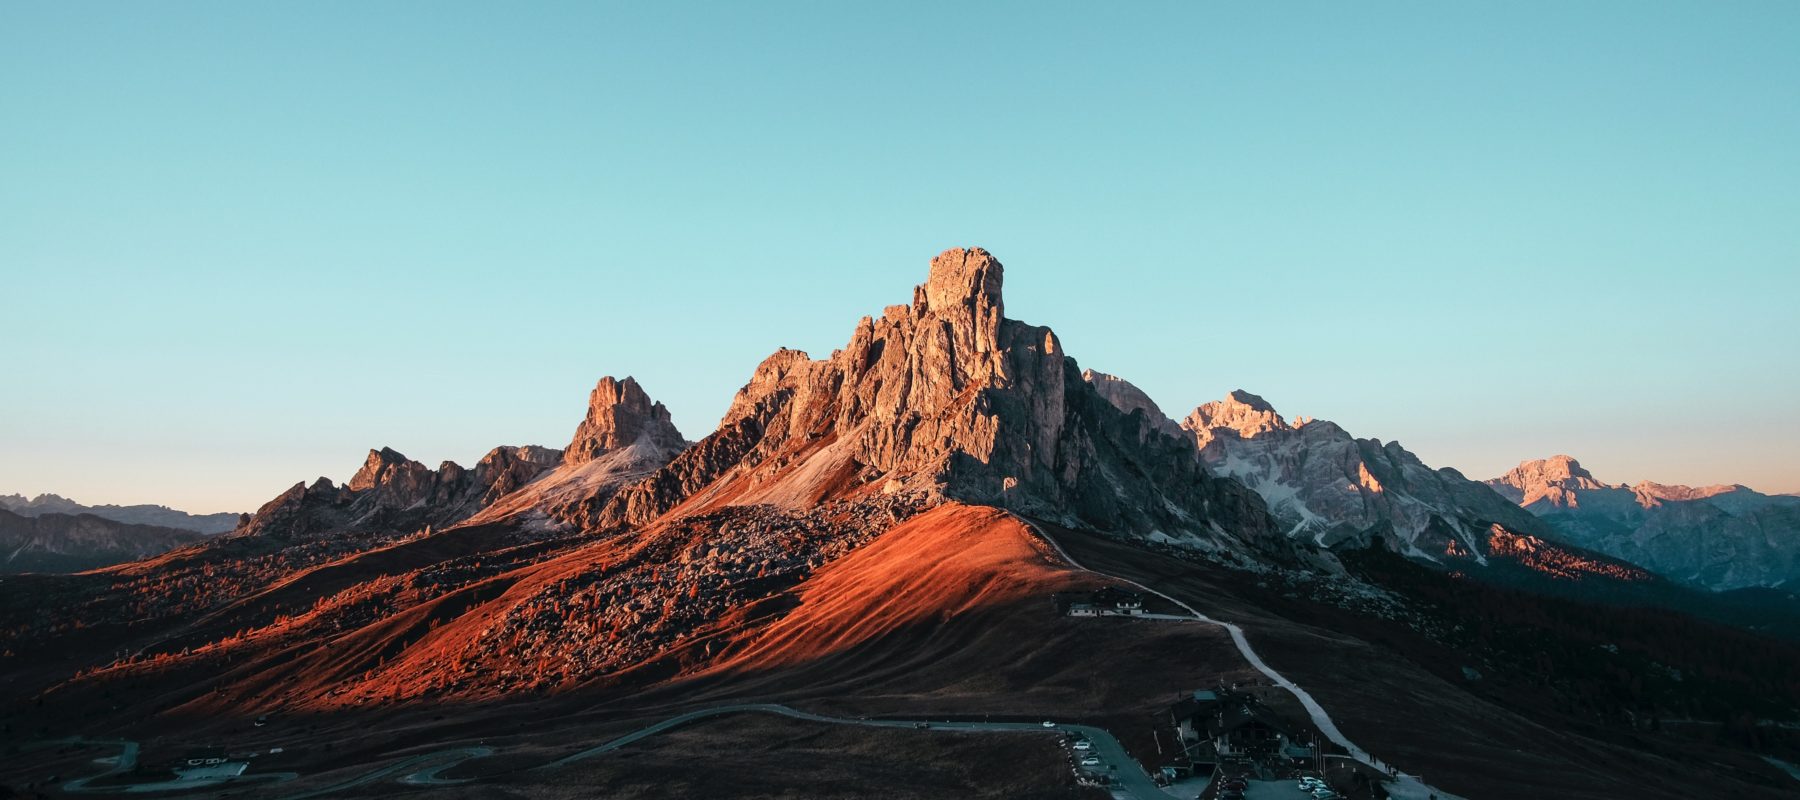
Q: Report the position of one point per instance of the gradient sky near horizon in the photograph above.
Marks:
(241, 243)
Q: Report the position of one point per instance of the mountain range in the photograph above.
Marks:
(1718, 537)
(897, 532)
(54, 542)
(50, 533)
(160, 516)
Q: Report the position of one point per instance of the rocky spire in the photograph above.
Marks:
(619, 415)
(946, 399)
(401, 481)
(964, 284)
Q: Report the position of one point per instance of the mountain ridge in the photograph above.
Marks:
(140, 514)
(1718, 537)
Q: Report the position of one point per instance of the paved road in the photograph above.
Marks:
(1128, 776)
(456, 755)
(1405, 787)
(429, 775)
(128, 756)
(127, 760)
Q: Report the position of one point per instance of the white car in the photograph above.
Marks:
(1049, 724)
(1083, 744)
(1090, 761)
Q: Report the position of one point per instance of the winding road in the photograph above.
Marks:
(1404, 786)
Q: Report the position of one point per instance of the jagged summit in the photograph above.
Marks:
(1719, 537)
(393, 492)
(1241, 413)
(624, 436)
(404, 479)
(1553, 481)
(944, 398)
(1328, 486)
(620, 414)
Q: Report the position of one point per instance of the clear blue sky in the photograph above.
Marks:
(240, 243)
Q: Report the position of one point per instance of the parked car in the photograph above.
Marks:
(1083, 744)
(1090, 761)
(1049, 724)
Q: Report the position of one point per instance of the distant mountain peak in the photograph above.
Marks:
(1254, 402)
(142, 514)
(619, 414)
(1241, 413)
(1328, 486)
(1720, 537)
(380, 467)
(1553, 481)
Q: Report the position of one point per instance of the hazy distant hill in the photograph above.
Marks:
(74, 542)
(137, 515)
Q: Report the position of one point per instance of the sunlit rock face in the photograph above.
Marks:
(393, 492)
(1552, 482)
(1325, 485)
(624, 437)
(946, 398)
(1718, 537)
(619, 415)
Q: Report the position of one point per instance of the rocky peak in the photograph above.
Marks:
(1241, 412)
(962, 281)
(945, 399)
(382, 467)
(619, 415)
(1554, 480)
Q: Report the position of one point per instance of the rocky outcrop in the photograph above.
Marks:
(620, 415)
(153, 515)
(946, 398)
(1328, 486)
(393, 492)
(52, 542)
(624, 437)
(1129, 398)
(1716, 537)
